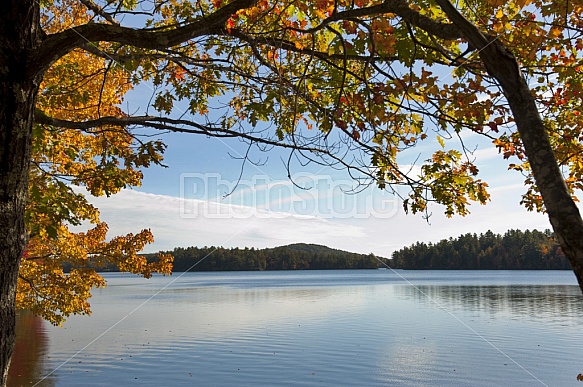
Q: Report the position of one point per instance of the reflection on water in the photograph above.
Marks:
(30, 351)
(327, 328)
(562, 304)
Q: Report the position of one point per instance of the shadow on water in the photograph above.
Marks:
(30, 351)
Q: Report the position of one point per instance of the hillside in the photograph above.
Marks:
(312, 248)
(297, 256)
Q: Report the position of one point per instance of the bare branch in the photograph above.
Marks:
(168, 124)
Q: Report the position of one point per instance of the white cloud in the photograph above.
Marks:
(486, 153)
(130, 211)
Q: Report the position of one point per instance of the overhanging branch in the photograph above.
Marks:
(171, 125)
(57, 45)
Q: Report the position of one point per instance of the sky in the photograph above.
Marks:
(185, 204)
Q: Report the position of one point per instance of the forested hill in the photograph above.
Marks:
(312, 248)
(515, 250)
(299, 256)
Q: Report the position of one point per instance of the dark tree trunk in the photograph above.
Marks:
(561, 209)
(18, 88)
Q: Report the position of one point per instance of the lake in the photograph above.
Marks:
(315, 328)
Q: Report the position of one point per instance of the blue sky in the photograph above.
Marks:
(267, 210)
(184, 205)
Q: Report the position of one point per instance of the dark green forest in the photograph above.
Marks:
(298, 256)
(515, 250)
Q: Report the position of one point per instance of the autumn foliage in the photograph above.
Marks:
(378, 80)
(58, 269)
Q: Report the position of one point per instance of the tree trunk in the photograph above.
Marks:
(563, 213)
(18, 88)
(561, 209)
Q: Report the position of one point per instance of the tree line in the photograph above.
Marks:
(291, 257)
(515, 250)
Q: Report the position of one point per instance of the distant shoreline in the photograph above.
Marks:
(515, 250)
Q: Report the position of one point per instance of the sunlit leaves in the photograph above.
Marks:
(58, 270)
(46, 288)
(451, 182)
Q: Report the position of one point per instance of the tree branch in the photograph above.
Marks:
(401, 8)
(168, 124)
(98, 11)
(499, 61)
(57, 45)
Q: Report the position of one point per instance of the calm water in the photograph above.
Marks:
(316, 328)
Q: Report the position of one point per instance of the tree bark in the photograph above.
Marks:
(19, 29)
(501, 64)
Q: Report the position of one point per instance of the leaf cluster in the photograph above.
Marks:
(388, 90)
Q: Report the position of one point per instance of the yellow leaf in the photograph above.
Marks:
(440, 141)
(555, 32)
(522, 3)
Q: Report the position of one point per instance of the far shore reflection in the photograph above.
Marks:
(328, 328)
(564, 302)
